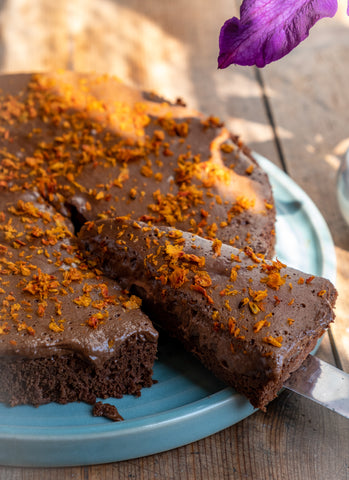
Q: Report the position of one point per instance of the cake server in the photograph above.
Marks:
(322, 383)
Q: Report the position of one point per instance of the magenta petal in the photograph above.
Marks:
(269, 29)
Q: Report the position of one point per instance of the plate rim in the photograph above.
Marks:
(328, 253)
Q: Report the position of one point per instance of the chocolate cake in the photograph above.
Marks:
(77, 151)
(251, 321)
(67, 333)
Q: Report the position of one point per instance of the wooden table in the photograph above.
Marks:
(295, 112)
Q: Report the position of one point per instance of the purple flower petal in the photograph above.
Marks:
(269, 29)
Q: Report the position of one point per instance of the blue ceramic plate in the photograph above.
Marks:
(187, 403)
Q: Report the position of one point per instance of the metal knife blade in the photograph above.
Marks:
(322, 383)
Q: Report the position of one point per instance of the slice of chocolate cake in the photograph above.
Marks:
(66, 333)
(249, 320)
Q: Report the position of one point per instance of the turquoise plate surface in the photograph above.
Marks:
(187, 403)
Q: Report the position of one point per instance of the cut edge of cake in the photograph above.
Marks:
(251, 321)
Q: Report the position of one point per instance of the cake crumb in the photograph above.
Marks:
(106, 410)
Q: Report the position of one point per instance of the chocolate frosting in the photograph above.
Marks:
(97, 147)
(51, 304)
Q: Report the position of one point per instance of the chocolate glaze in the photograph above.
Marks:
(218, 322)
(110, 149)
(48, 246)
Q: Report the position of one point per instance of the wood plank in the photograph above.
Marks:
(68, 473)
(309, 97)
(265, 445)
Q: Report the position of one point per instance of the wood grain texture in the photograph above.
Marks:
(315, 77)
(171, 47)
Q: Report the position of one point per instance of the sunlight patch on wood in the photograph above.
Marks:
(102, 37)
(253, 132)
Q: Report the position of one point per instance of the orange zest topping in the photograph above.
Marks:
(274, 280)
(250, 253)
(260, 324)
(203, 278)
(178, 277)
(133, 303)
(55, 327)
(310, 279)
(216, 247)
(275, 341)
(42, 284)
(200, 289)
